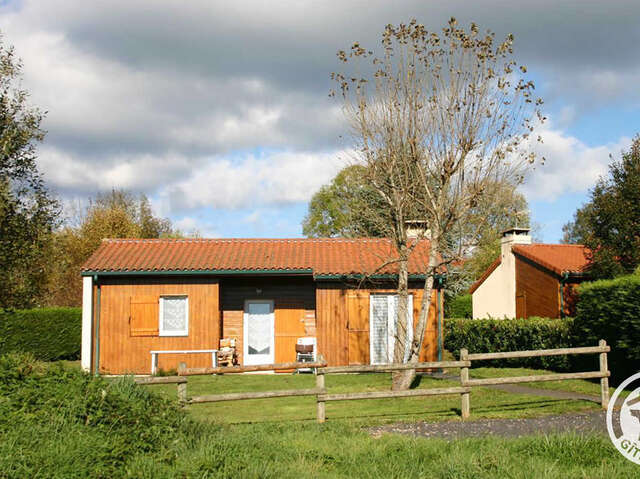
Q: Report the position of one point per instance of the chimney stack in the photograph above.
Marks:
(514, 236)
(417, 229)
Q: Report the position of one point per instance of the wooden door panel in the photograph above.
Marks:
(358, 310)
(289, 318)
(358, 347)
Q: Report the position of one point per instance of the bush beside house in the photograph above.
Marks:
(610, 310)
(458, 307)
(49, 334)
(498, 335)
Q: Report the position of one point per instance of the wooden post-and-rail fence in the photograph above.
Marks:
(603, 374)
(322, 370)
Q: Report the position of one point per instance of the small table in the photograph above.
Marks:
(154, 356)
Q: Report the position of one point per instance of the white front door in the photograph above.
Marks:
(258, 332)
(382, 327)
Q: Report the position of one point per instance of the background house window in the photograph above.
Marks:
(382, 316)
(174, 316)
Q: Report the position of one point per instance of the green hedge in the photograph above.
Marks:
(47, 333)
(498, 335)
(458, 307)
(610, 310)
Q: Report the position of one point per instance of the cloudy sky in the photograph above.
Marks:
(218, 111)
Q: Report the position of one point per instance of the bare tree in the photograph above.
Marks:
(448, 117)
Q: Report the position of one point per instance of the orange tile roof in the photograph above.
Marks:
(322, 256)
(559, 258)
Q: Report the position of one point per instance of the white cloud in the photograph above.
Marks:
(571, 166)
(171, 107)
(254, 181)
(190, 225)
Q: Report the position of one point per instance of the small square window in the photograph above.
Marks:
(174, 316)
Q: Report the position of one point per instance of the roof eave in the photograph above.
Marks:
(201, 272)
(355, 276)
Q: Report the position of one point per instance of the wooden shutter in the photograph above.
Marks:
(358, 326)
(289, 326)
(143, 319)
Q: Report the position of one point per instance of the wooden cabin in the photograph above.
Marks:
(144, 295)
(530, 279)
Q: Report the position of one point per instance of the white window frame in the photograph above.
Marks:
(161, 331)
(390, 311)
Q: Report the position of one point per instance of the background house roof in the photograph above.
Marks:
(324, 256)
(559, 258)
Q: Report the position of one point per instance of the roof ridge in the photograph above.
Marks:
(551, 244)
(230, 240)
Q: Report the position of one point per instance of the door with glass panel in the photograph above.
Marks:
(258, 332)
(382, 327)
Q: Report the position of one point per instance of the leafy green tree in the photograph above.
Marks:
(28, 213)
(336, 209)
(609, 224)
(117, 214)
(507, 210)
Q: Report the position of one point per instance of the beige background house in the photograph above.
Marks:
(529, 279)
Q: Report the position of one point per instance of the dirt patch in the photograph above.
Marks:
(591, 422)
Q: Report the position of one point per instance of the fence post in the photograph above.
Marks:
(464, 377)
(182, 387)
(321, 390)
(604, 381)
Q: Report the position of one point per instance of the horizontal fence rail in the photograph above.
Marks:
(255, 395)
(322, 370)
(393, 394)
(393, 367)
(180, 382)
(249, 369)
(539, 352)
(535, 379)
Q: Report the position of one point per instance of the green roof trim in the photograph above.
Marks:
(192, 272)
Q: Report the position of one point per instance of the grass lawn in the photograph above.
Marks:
(485, 402)
(58, 422)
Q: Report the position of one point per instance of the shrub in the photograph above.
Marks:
(458, 307)
(610, 310)
(47, 333)
(61, 421)
(498, 335)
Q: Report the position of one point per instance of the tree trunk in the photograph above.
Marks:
(418, 337)
(400, 346)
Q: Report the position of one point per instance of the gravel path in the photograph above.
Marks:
(583, 422)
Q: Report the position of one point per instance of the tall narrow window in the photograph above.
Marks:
(383, 318)
(174, 316)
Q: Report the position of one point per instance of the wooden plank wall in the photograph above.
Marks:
(285, 292)
(537, 289)
(343, 323)
(122, 353)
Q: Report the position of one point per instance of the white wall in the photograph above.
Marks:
(87, 313)
(491, 299)
(496, 296)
